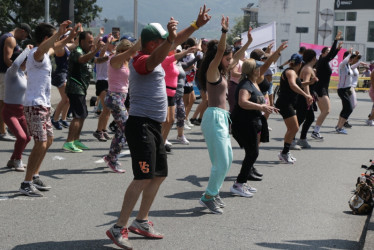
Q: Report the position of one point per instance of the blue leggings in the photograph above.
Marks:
(215, 127)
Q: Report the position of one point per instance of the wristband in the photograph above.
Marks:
(224, 30)
(194, 25)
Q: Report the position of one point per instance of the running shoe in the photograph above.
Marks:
(168, 143)
(294, 146)
(17, 165)
(250, 188)
(212, 205)
(347, 125)
(80, 145)
(39, 184)
(341, 131)
(113, 126)
(114, 165)
(241, 190)
(219, 201)
(370, 122)
(167, 148)
(99, 135)
(303, 143)
(106, 135)
(186, 126)
(195, 121)
(183, 140)
(119, 236)
(189, 124)
(145, 229)
(286, 158)
(7, 137)
(64, 123)
(30, 190)
(317, 136)
(56, 124)
(69, 146)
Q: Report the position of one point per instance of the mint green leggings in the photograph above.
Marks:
(215, 127)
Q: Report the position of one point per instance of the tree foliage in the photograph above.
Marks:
(13, 12)
(236, 30)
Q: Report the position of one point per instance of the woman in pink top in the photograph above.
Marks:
(235, 74)
(118, 82)
(171, 79)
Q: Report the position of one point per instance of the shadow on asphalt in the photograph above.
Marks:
(78, 244)
(313, 244)
(195, 180)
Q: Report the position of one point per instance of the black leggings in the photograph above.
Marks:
(304, 115)
(246, 136)
(344, 94)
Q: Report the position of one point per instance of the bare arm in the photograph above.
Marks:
(273, 58)
(291, 76)
(244, 103)
(240, 53)
(87, 57)
(182, 54)
(213, 74)
(118, 60)
(9, 45)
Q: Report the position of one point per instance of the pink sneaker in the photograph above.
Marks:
(115, 166)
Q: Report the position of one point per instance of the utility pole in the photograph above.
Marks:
(136, 19)
(46, 11)
(318, 3)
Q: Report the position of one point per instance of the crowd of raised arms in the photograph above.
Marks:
(147, 84)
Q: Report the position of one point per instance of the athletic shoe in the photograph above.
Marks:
(30, 190)
(270, 129)
(250, 188)
(347, 125)
(286, 158)
(145, 229)
(195, 121)
(212, 205)
(115, 166)
(119, 236)
(317, 136)
(69, 146)
(186, 126)
(106, 135)
(39, 184)
(99, 135)
(341, 131)
(182, 139)
(64, 123)
(189, 124)
(303, 143)
(167, 148)
(370, 122)
(113, 126)
(168, 143)
(240, 189)
(80, 145)
(219, 201)
(6, 137)
(17, 165)
(255, 171)
(56, 124)
(294, 146)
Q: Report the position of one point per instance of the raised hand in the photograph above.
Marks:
(282, 47)
(101, 31)
(340, 45)
(203, 16)
(269, 48)
(225, 22)
(172, 28)
(338, 35)
(249, 35)
(74, 32)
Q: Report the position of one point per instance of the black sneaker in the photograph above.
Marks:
(30, 190)
(167, 148)
(64, 123)
(39, 184)
(56, 124)
(347, 125)
(113, 126)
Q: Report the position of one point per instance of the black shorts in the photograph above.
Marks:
(78, 106)
(101, 85)
(147, 148)
(127, 101)
(171, 101)
(286, 111)
(188, 89)
(321, 91)
(58, 79)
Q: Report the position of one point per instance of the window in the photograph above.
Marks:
(350, 33)
(302, 29)
(351, 16)
(339, 16)
(336, 29)
(371, 32)
(370, 54)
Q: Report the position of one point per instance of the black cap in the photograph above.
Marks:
(27, 28)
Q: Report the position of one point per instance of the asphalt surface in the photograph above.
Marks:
(300, 206)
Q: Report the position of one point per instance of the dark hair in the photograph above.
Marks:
(43, 30)
(302, 49)
(190, 42)
(83, 35)
(324, 49)
(346, 54)
(309, 55)
(208, 58)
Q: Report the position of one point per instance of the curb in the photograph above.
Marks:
(368, 233)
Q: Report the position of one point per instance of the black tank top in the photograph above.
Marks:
(286, 94)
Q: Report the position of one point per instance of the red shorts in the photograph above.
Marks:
(38, 120)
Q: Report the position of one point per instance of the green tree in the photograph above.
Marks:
(13, 12)
(236, 30)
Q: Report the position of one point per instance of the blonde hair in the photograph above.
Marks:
(123, 45)
(248, 68)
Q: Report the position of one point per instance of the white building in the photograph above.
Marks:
(296, 23)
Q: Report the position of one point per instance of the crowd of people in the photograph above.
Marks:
(146, 84)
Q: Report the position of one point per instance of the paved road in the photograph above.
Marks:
(301, 206)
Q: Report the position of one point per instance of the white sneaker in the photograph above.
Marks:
(286, 158)
(294, 146)
(186, 126)
(189, 124)
(370, 122)
(168, 143)
(182, 139)
(240, 189)
(303, 143)
(250, 189)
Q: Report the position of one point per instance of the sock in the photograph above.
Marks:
(206, 199)
(317, 128)
(97, 131)
(141, 221)
(115, 226)
(286, 148)
(35, 176)
(27, 182)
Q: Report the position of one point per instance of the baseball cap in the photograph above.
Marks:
(130, 38)
(296, 58)
(257, 54)
(27, 28)
(152, 32)
(236, 39)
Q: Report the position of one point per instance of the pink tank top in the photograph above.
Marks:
(171, 75)
(118, 79)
